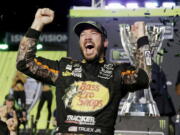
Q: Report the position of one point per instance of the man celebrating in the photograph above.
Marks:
(88, 91)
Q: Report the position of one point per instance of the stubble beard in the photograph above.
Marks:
(99, 54)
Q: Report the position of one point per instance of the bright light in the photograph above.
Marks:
(114, 6)
(39, 46)
(151, 4)
(132, 5)
(4, 46)
(168, 4)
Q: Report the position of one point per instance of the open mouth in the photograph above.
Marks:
(89, 46)
(89, 49)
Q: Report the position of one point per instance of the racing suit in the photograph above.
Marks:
(87, 93)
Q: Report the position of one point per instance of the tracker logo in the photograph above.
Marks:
(81, 120)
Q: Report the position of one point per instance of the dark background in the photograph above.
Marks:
(17, 15)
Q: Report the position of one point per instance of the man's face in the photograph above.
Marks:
(92, 44)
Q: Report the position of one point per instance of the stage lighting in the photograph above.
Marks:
(168, 4)
(151, 4)
(132, 5)
(4, 46)
(114, 6)
(39, 46)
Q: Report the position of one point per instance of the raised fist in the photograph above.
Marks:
(43, 16)
(138, 29)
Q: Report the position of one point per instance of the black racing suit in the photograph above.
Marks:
(87, 93)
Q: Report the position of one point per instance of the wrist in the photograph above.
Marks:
(32, 33)
(37, 25)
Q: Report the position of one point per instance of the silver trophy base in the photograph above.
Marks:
(132, 106)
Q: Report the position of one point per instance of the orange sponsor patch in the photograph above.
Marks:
(45, 66)
(128, 72)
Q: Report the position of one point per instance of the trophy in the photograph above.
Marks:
(141, 103)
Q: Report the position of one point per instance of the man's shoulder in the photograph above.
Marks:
(121, 64)
(68, 60)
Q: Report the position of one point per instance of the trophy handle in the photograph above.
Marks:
(127, 43)
(156, 36)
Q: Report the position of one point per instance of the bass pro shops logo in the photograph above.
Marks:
(86, 96)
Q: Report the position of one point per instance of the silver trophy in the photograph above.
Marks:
(141, 103)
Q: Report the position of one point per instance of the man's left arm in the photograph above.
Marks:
(143, 54)
(139, 77)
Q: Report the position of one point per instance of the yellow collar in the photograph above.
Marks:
(101, 60)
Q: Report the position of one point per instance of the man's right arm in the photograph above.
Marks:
(37, 67)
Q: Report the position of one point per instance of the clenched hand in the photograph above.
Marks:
(42, 17)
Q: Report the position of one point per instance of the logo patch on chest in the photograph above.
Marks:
(77, 72)
(73, 70)
(106, 72)
(86, 96)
